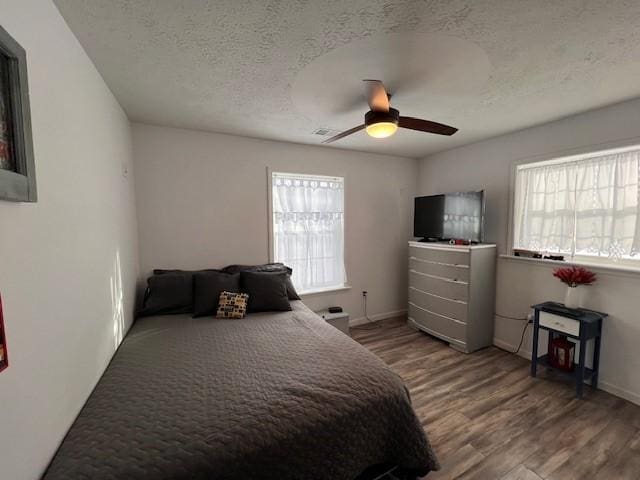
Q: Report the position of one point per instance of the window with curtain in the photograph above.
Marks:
(308, 229)
(580, 206)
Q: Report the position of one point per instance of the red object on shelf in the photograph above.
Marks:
(4, 356)
(561, 353)
(574, 276)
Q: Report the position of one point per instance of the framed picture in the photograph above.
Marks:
(17, 168)
(4, 356)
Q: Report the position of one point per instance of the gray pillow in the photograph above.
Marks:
(267, 291)
(267, 267)
(170, 293)
(207, 287)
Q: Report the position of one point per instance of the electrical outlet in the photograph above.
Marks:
(530, 318)
(364, 293)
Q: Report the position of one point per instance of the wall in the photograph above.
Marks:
(69, 262)
(487, 165)
(202, 202)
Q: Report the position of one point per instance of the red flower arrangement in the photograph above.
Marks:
(574, 276)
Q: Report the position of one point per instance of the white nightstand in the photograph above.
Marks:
(338, 320)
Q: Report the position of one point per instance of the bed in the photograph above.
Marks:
(279, 395)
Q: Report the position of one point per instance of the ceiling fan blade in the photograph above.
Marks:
(426, 126)
(344, 134)
(377, 97)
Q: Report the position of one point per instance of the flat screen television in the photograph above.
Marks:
(458, 216)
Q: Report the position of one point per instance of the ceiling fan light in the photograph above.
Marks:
(381, 124)
(381, 129)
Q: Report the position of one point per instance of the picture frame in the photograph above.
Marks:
(17, 165)
(4, 355)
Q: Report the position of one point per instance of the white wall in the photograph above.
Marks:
(68, 264)
(487, 165)
(202, 202)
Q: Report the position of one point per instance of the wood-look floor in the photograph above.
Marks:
(488, 419)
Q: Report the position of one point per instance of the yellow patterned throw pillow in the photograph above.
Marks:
(232, 305)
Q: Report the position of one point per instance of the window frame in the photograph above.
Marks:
(271, 254)
(566, 155)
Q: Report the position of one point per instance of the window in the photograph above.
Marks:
(581, 206)
(308, 229)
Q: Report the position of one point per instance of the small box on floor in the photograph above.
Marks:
(340, 320)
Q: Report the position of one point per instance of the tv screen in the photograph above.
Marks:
(450, 216)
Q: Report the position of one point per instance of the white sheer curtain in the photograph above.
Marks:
(585, 206)
(308, 228)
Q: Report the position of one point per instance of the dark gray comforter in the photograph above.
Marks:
(272, 396)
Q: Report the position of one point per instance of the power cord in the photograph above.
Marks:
(370, 325)
(510, 318)
(524, 330)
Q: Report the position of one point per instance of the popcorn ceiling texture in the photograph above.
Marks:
(229, 66)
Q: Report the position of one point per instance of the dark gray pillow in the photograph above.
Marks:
(267, 267)
(207, 287)
(267, 291)
(189, 273)
(169, 293)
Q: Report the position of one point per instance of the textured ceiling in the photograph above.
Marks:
(281, 69)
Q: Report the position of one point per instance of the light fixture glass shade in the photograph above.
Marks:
(381, 129)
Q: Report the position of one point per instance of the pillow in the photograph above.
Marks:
(207, 287)
(169, 293)
(188, 273)
(267, 267)
(267, 291)
(232, 305)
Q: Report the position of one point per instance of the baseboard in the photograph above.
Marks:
(354, 322)
(602, 385)
(619, 392)
(511, 348)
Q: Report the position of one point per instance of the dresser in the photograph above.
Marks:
(452, 292)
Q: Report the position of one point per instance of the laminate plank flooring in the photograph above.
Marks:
(488, 419)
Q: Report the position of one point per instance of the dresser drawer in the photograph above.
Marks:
(444, 270)
(451, 257)
(561, 324)
(443, 306)
(438, 286)
(438, 325)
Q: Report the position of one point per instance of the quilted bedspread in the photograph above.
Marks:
(273, 396)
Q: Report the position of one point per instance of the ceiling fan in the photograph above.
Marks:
(382, 121)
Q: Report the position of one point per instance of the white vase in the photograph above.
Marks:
(573, 297)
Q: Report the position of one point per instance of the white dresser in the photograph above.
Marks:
(452, 292)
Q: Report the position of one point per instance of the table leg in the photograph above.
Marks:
(534, 347)
(580, 372)
(596, 363)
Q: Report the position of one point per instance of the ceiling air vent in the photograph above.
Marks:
(326, 132)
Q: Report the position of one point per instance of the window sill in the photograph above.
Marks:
(322, 291)
(603, 267)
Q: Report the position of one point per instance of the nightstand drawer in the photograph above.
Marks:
(561, 324)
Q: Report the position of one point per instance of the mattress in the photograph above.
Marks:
(273, 396)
